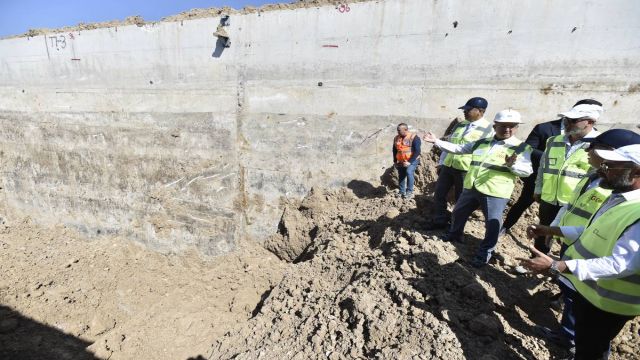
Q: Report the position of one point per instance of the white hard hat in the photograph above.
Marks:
(508, 116)
(625, 153)
(590, 111)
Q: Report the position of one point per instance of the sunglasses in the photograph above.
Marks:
(606, 167)
(593, 147)
(507, 126)
(574, 121)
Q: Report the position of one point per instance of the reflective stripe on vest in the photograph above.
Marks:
(619, 296)
(463, 161)
(403, 147)
(487, 173)
(583, 204)
(561, 176)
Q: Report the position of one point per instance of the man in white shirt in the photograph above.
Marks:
(603, 263)
(588, 197)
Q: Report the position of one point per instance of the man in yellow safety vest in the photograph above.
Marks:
(587, 198)
(603, 263)
(563, 163)
(454, 167)
(495, 165)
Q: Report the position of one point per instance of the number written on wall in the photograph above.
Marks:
(343, 8)
(58, 42)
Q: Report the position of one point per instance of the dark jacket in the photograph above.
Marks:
(537, 139)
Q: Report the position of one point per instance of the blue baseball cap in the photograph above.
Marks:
(615, 138)
(475, 102)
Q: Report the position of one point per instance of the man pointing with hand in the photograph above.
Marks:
(495, 165)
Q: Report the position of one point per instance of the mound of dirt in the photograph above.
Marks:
(374, 284)
(364, 278)
(64, 297)
(131, 20)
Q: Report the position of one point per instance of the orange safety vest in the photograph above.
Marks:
(403, 147)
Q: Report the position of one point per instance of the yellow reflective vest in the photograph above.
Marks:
(562, 174)
(482, 130)
(488, 173)
(583, 204)
(619, 296)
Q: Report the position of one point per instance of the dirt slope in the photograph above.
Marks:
(362, 278)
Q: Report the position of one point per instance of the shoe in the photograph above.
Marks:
(556, 302)
(452, 239)
(478, 263)
(408, 196)
(436, 226)
(555, 297)
(553, 336)
(497, 257)
(398, 194)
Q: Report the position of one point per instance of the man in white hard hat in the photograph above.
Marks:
(496, 164)
(564, 163)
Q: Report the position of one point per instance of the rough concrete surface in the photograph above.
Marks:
(208, 143)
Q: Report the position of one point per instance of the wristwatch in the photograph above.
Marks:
(554, 268)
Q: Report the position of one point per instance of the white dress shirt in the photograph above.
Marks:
(625, 257)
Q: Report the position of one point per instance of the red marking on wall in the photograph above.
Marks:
(343, 8)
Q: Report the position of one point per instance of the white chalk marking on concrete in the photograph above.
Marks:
(189, 183)
(175, 182)
(210, 177)
(226, 176)
(203, 220)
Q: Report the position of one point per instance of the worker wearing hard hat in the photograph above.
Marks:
(495, 165)
(564, 163)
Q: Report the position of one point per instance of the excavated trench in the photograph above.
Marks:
(367, 280)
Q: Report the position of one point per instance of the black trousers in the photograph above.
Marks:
(546, 214)
(524, 201)
(447, 178)
(595, 329)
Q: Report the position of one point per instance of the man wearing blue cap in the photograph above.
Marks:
(455, 166)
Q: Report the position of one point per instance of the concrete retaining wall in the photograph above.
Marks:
(160, 134)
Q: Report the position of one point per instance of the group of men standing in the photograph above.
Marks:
(587, 185)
